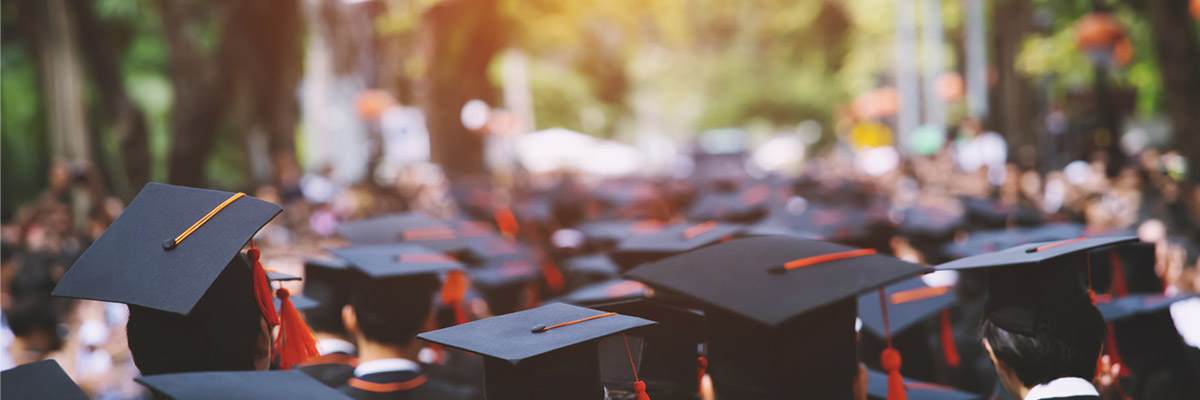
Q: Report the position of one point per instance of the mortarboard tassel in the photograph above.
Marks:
(262, 287)
(890, 358)
(453, 293)
(638, 385)
(296, 343)
(506, 221)
(949, 350)
(551, 274)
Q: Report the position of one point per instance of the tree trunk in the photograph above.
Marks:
(1013, 100)
(462, 37)
(123, 114)
(198, 97)
(1178, 53)
(49, 26)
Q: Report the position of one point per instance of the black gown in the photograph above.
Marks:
(403, 385)
(332, 369)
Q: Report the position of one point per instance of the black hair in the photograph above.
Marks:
(220, 333)
(1052, 352)
(393, 311)
(326, 316)
(33, 313)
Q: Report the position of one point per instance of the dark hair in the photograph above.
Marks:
(33, 313)
(326, 316)
(220, 333)
(1053, 351)
(393, 311)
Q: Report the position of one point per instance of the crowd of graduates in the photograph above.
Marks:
(933, 278)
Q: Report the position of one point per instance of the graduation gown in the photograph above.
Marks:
(333, 369)
(403, 385)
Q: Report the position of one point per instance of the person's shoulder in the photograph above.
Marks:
(333, 375)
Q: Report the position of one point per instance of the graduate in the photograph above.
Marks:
(196, 303)
(391, 301)
(327, 282)
(1040, 326)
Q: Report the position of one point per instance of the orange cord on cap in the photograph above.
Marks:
(541, 328)
(206, 217)
(424, 258)
(918, 294)
(296, 343)
(1053, 245)
(638, 385)
(698, 230)
(428, 234)
(454, 291)
(890, 358)
(824, 258)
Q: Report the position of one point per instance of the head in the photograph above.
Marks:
(391, 312)
(225, 331)
(1052, 352)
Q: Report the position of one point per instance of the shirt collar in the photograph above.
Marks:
(1062, 387)
(386, 365)
(331, 345)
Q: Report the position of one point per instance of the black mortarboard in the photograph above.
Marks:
(671, 240)
(549, 352)
(607, 234)
(780, 310)
(748, 277)
(505, 281)
(327, 281)
(590, 267)
(665, 354)
(1036, 283)
(928, 223)
(39, 380)
(406, 227)
(604, 292)
(1116, 309)
(744, 207)
(300, 301)
(1125, 269)
(909, 301)
(987, 213)
(877, 388)
(396, 260)
(136, 261)
(246, 385)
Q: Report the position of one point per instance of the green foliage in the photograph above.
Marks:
(24, 153)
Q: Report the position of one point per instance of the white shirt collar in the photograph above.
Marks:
(1062, 387)
(331, 345)
(386, 365)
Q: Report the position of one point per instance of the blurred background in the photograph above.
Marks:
(1085, 111)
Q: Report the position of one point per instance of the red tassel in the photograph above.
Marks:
(453, 293)
(506, 221)
(296, 343)
(701, 369)
(553, 277)
(949, 350)
(890, 360)
(640, 388)
(262, 288)
(1119, 287)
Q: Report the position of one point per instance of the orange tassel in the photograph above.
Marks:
(890, 358)
(949, 350)
(553, 277)
(262, 287)
(701, 369)
(506, 221)
(640, 388)
(296, 343)
(453, 293)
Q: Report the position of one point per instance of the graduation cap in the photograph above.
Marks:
(665, 355)
(245, 385)
(877, 389)
(780, 310)
(990, 214)
(1037, 282)
(39, 380)
(405, 227)
(299, 302)
(604, 292)
(674, 239)
(396, 260)
(550, 352)
(327, 282)
(1129, 268)
(908, 302)
(506, 280)
(174, 246)
(747, 206)
(590, 267)
(607, 234)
